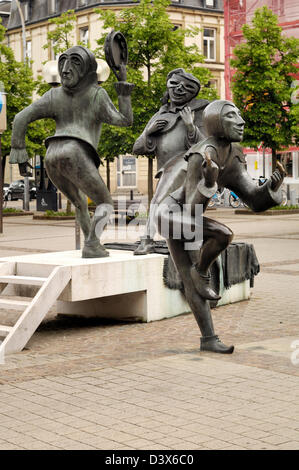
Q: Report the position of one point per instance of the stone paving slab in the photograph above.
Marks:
(173, 402)
(95, 384)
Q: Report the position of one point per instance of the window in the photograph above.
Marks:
(52, 6)
(27, 11)
(84, 36)
(126, 171)
(209, 43)
(210, 3)
(28, 50)
(54, 56)
(287, 160)
(213, 83)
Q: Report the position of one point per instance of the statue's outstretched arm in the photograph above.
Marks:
(258, 198)
(108, 113)
(37, 110)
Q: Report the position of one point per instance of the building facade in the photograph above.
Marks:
(127, 172)
(237, 13)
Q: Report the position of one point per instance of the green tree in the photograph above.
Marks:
(261, 86)
(61, 38)
(19, 95)
(155, 48)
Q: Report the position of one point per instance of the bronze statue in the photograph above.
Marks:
(169, 133)
(215, 161)
(79, 107)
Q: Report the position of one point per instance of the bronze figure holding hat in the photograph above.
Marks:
(79, 107)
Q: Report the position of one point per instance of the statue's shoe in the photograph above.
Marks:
(213, 344)
(146, 246)
(93, 249)
(202, 285)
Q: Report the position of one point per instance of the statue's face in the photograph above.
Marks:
(71, 68)
(181, 90)
(232, 123)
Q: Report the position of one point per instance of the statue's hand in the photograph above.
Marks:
(121, 73)
(277, 177)
(156, 126)
(187, 116)
(210, 171)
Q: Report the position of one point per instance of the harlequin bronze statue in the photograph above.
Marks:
(215, 161)
(169, 133)
(79, 107)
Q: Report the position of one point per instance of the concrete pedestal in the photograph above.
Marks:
(122, 286)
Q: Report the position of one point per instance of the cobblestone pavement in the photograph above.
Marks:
(94, 384)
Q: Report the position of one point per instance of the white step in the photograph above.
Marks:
(13, 304)
(4, 330)
(27, 280)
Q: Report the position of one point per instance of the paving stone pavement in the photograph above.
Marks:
(95, 384)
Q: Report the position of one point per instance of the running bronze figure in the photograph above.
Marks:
(216, 161)
(79, 107)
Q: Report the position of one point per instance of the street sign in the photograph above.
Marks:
(3, 123)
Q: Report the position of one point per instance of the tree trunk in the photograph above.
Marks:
(274, 159)
(150, 189)
(108, 174)
(68, 207)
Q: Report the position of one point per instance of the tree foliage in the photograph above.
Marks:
(155, 48)
(262, 83)
(19, 85)
(61, 38)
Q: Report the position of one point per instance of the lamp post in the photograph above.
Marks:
(3, 126)
(26, 180)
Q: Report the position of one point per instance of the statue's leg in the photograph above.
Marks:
(216, 237)
(199, 306)
(147, 240)
(69, 189)
(169, 217)
(70, 165)
(176, 223)
(92, 184)
(171, 178)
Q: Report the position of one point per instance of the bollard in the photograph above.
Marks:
(226, 198)
(77, 235)
(293, 197)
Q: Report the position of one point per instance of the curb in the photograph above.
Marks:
(53, 217)
(16, 214)
(270, 212)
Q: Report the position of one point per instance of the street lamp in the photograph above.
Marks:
(3, 126)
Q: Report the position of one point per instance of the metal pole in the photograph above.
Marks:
(1, 190)
(77, 235)
(26, 180)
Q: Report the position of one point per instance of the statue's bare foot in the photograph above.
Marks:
(94, 249)
(213, 344)
(202, 284)
(146, 246)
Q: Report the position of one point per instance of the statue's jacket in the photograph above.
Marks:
(232, 175)
(77, 115)
(173, 139)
